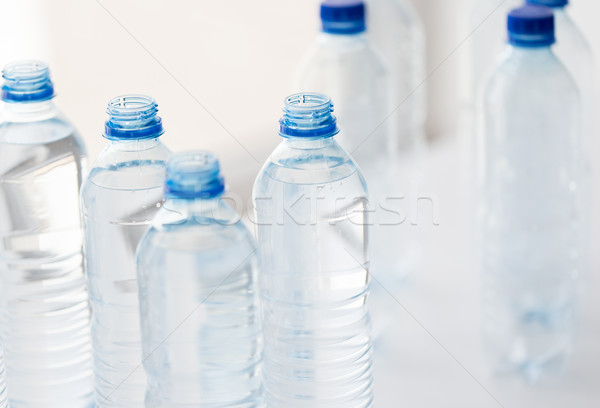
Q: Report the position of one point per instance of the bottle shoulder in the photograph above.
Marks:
(128, 170)
(333, 49)
(530, 75)
(187, 228)
(291, 165)
(42, 130)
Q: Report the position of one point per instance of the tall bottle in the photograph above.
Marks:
(573, 50)
(485, 24)
(44, 310)
(345, 65)
(531, 188)
(119, 200)
(310, 201)
(396, 30)
(197, 277)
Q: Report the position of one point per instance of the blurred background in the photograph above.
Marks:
(219, 71)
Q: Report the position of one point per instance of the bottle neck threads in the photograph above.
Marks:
(308, 115)
(194, 175)
(26, 81)
(133, 117)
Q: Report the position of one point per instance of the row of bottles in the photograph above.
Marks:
(188, 310)
(178, 315)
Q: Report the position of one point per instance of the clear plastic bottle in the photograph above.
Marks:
(119, 200)
(573, 50)
(396, 30)
(344, 65)
(530, 157)
(3, 394)
(486, 29)
(310, 201)
(197, 277)
(44, 309)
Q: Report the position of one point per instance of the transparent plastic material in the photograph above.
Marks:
(531, 252)
(197, 276)
(349, 69)
(119, 200)
(310, 201)
(44, 311)
(486, 28)
(397, 32)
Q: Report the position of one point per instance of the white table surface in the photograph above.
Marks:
(431, 355)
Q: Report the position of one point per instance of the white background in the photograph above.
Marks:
(219, 71)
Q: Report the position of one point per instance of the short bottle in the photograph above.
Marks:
(44, 310)
(310, 201)
(530, 196)
(119, 200)
(199, 304)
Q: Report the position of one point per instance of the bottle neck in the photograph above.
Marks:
(530, 52)
(308, 143)
(202, 211)
(28, 112)
(133, 145)
(357, 40)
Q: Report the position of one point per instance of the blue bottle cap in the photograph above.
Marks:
(343, 16)
(549, 3)
(26, 81)
(133, 117)
(308, 115)
(531, 26)
(193, 175)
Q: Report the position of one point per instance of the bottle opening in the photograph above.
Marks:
(27, 81)
(343, 16)
(194, 175)
(531, 26)
(133, 117)
(308, 114)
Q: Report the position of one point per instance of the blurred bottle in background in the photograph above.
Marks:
(44, 310)
(345, 65)
(197, 276)
(119, 199)
(311, 201)
(396, 30)
(531, 155)
(573, 50)
(486, 31)
(3, 394)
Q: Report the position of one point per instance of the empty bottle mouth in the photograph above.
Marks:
(308, 115)
(27, 81)
(194, 175)
(531, 26)
(549, 3)
(343, 16)
(133, 117)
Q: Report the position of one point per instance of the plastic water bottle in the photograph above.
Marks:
(3, 395)
(531, 220)
(119, 200)
(396, 30)
(344, 65)
(485, 27)
(573, 50)
(310, 201)
(44, 310)
(197, 276)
